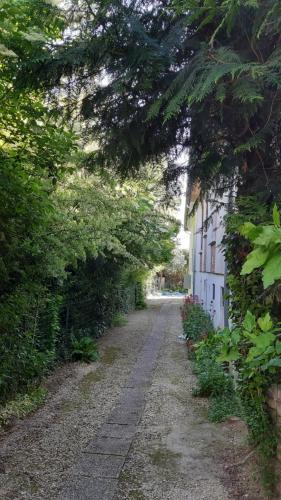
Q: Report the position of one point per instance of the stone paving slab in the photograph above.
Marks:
(109, 445)
(99, 466)
(118, 431)
(131, 400)
(88, 488)
(140, 379)
(103, 458)
(136, 393)
(123, 415)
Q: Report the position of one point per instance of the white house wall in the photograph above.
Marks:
(207, 261)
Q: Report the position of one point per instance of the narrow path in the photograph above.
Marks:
(124, 428)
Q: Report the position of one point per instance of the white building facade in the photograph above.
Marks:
(207, 265)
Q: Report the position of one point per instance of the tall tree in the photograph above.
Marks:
(161, 76)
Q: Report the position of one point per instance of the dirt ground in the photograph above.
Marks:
(176, 454)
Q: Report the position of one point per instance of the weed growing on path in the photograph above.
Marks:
(119, 320)
(110, 355)
(22, 405)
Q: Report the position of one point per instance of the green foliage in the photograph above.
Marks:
(224, 407)
(84, 349)
(266, 253)
(256, 347)
(213, 379)
(140, 296)
(22, 405)
(262, 434)
(196, 322)
(250, 209)
(77, 267)
(254, 344)
(211, 67)
(73, 244)
(119, 320)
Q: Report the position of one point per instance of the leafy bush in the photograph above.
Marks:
(119, 320)
(196, 322)
(22, 405)
(266, 253)
(140, 297)
(224, 407)
(212, 380)
(84, 349)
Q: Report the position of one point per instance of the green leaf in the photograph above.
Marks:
(228, 355)
(276, 216)
(4, 51)
(249, 322)
(249, 230)
(264, 340)
(278, 347)
(268, 235)
(235, 337)
(275, 362)
(254, 260)
(272, 270)
(254, 352)
(265, 323)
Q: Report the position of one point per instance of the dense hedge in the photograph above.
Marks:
(44, 335)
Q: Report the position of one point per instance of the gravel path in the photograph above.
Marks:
(126, 427)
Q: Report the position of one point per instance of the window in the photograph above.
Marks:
(213, 257)
(214, 292)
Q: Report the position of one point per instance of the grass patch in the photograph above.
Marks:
(22, 406)
(110, 355)
(85, 385)
(69, 406)
(133, 484)
(119, 320)
(176, 380)
(137, 495)
(162, 457)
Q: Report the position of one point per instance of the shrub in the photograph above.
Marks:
(212, 380)
(119, 320)
(22, 405)
(84, 349)
(225, 407)
(196, 322)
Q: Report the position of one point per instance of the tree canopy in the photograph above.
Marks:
(159, 77)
